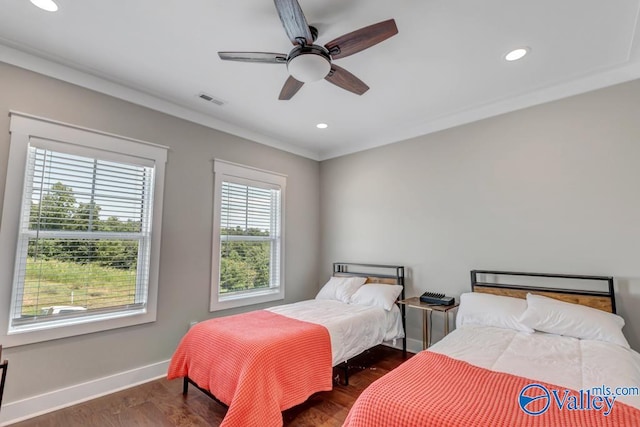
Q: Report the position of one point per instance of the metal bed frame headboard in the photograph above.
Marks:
(602, 300)
(375, 276)
(342, 269)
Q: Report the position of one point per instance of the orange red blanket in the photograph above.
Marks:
(258, 363)
(431, 389)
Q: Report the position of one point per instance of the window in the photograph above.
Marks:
(85, 256)
(247, 236)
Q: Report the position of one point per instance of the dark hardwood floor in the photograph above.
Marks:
(161, 403)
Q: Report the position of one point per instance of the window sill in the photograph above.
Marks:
(29, 334)
(242, 300)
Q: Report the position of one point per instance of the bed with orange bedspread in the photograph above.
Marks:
(258, 364)
(432, 389)
(263, 362)
(521, 355)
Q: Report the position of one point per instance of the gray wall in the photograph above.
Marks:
(186, 230)
(553, 188)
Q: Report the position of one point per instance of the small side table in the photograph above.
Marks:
(427, 309)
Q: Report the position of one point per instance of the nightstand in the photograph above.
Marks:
(427, 309)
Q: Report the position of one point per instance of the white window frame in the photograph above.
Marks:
(24, 129)
(233, 172)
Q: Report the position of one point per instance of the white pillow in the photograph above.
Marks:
(377, 294)
(340, 288)
(573, 320)
(481, 309)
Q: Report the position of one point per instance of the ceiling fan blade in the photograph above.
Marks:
(266, 57)
(344, 79)
(361, 39)
(290, 88)
(294, 22)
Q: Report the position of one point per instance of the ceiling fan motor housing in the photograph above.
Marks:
(309, 63)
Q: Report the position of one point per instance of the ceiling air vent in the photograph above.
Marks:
(211, 99)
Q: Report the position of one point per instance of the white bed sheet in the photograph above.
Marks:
(563, 361)
(353, 328)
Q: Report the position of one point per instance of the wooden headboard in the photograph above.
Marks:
(602, 300)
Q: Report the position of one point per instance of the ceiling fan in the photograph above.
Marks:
(308, 62)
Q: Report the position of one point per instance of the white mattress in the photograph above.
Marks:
(353, 328)
(563, 361)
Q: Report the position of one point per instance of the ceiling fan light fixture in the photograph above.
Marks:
(309, 63)
(48, 5)
(516, 54)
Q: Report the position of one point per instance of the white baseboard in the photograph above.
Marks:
(19, 410)
(413, 345)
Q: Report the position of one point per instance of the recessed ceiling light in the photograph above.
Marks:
(322, 125)
(516, 54)
(48, 5)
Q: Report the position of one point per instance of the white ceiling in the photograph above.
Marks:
(445, 67)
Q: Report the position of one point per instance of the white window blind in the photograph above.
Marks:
(83, 246)
(248, 238)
